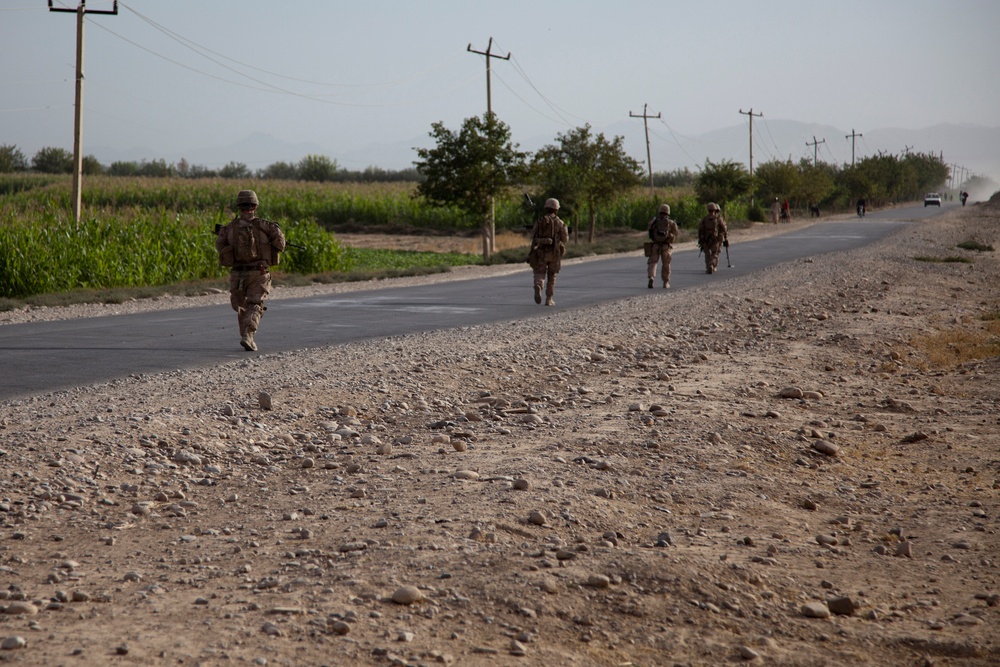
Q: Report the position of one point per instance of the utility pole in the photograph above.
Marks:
(751, 114)
(815, 144)
(492, 240)
(80, 11)
(851, 136)
(649, 160)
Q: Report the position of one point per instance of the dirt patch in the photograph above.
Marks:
(766, 470)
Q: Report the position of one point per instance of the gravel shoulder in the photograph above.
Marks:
(765, 471)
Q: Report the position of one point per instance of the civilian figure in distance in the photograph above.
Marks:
(712, 237)
(250, 246)
(775, 211)
(548, 243)
(662, 234)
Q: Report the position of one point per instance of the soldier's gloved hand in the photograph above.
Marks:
(725, 244)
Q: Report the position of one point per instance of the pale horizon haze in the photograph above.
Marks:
(164, 79)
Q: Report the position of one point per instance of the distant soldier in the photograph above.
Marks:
(662, 234)
(712, 236)
(250, 246)
(965, 197)
(548, 243)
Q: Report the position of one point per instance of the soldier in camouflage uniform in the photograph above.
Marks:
(250, 246)
(662, 234)
(548, 243)
(712, 237)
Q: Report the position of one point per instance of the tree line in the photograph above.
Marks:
(471, 167)
(315, 168)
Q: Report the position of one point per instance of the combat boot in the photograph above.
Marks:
(549, 301)
(538, 294)
(247, 342)
(666, 284)
(650, 284)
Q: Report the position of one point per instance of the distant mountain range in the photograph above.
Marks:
(975, 147)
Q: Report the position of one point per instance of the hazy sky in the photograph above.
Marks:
(176, 75)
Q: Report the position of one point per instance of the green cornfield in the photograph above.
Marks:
(138, 232)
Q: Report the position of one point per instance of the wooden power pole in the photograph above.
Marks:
(649, 160)
(751, 114)
(80, 11)
(815, 144)
(851, 136)
(492, 240)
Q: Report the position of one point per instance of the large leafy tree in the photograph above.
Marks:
(468, 169)
(51, 160)
(586, 169)
(722, 182)
(816, 181)
(776, 179)
(12, 159)
(317, 168)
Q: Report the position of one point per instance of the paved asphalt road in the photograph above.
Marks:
(47, 356)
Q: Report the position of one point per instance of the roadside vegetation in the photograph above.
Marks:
(147, 228)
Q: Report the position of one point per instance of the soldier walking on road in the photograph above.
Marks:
(662, 234)
(548, 243)
(250, 246)
(712, 237)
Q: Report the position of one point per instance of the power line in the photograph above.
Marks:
(673, 134)
(198, 48)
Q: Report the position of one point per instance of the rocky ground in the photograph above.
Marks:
(798, 468)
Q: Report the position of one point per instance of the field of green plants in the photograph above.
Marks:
(154, 231)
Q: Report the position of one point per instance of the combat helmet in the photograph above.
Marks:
(247, 197)
(712, 206)
(665, 208)
(552, 203)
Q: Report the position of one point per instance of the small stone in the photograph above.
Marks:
(264, 400)
(21, 607)
(517, 648)
(790, 392)
(339, 627)
(459, 445)
(815, 610)
(904, 550)
(748, 653)
(471, 475)
(537, 518)
(826, 447)
(407, 595)
(826, 540)
(598, 581)
(841, 606)
(12, 643)
(521, 484)
(308, 462)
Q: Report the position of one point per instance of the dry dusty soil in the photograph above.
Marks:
(797, 468)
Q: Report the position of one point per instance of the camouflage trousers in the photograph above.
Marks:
(712, 253)
(545, 276)
(657, 254)
(247, 291)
